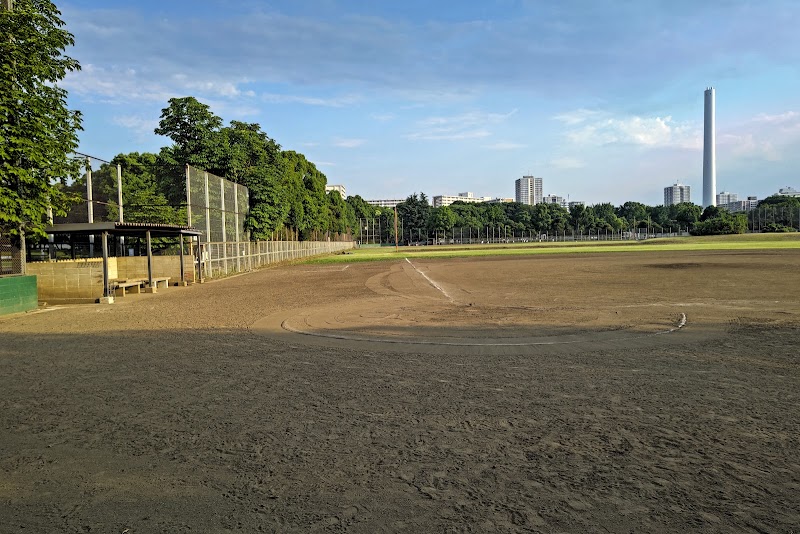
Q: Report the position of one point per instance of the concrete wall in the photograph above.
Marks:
(68, 281)
(76, 281)
(17, 294)
(131, 267)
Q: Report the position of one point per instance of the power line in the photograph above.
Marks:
(93, 157)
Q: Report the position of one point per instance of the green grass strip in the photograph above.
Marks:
(735, 242)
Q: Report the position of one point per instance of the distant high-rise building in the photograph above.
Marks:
(528, 190)
(788, 192)
(726, 198)
(709, 148)
(338, 188)
(385, 203)
(675, 194)
(742, 205)
(555, 199)
(445, 200)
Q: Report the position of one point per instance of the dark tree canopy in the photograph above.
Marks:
(37, 130)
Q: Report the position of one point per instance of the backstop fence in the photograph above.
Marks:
(213, 205)
(216, 206)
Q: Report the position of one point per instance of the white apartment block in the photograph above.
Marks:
(385, 203)
(528, 190)
(726, 197)
(555, 199)
(741, 205)
(788, 192)
(675, 194)
(445, 200)
(338, 188)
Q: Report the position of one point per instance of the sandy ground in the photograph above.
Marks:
(541, 394)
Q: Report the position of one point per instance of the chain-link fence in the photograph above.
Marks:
(10, 257)
(97, 189)
(774, 219)
(216, 207)
(223, 259)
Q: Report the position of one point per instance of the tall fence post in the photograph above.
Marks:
(89, 203)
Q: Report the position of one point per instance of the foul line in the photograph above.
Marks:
(431, 282)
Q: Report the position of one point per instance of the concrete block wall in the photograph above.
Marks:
(131, 267)
(71, 280)
(17, 294)
(76, 281)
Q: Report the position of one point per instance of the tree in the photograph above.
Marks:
(195, 130)
(361, 209)
(719, 221)
(686, 213)
(37, 130)
(633, 212)
(414, 212)
(442, 219)
(142, 200)
(254, 160)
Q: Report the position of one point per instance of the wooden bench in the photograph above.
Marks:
(124, 285)
(164, 280)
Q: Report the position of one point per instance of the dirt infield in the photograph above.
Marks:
(629, 392)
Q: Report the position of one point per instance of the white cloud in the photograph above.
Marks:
(210, 87)
(446, 135)
(141, 126)
(789, 118)
(748, 145)
(601, 128)
(125, 85)
(114, 85)
(471, 125)
(578, 116)
(335, 102)
(348, 143)
(768, 137)
(472, 118)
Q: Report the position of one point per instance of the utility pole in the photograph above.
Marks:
(395, 230)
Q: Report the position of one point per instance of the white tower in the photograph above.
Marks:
(709, 151)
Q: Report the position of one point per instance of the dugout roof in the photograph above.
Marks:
(123, 229)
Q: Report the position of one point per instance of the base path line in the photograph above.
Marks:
(431, 282)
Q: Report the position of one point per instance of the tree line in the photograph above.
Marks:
(418, 219)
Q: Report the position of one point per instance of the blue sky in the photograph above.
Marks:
(604, 100)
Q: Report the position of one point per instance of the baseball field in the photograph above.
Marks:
(533, 388)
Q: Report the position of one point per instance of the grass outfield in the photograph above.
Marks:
(729, 242)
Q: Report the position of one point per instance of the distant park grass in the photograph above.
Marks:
(730, 242)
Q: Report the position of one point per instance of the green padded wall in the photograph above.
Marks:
(17, 294)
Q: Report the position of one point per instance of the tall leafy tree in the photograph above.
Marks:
(141, 197)
(254, 160)
(195, 132)
(414, 213)
(442, 219)
(634, 213)
(37, 130)
(361, 210)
